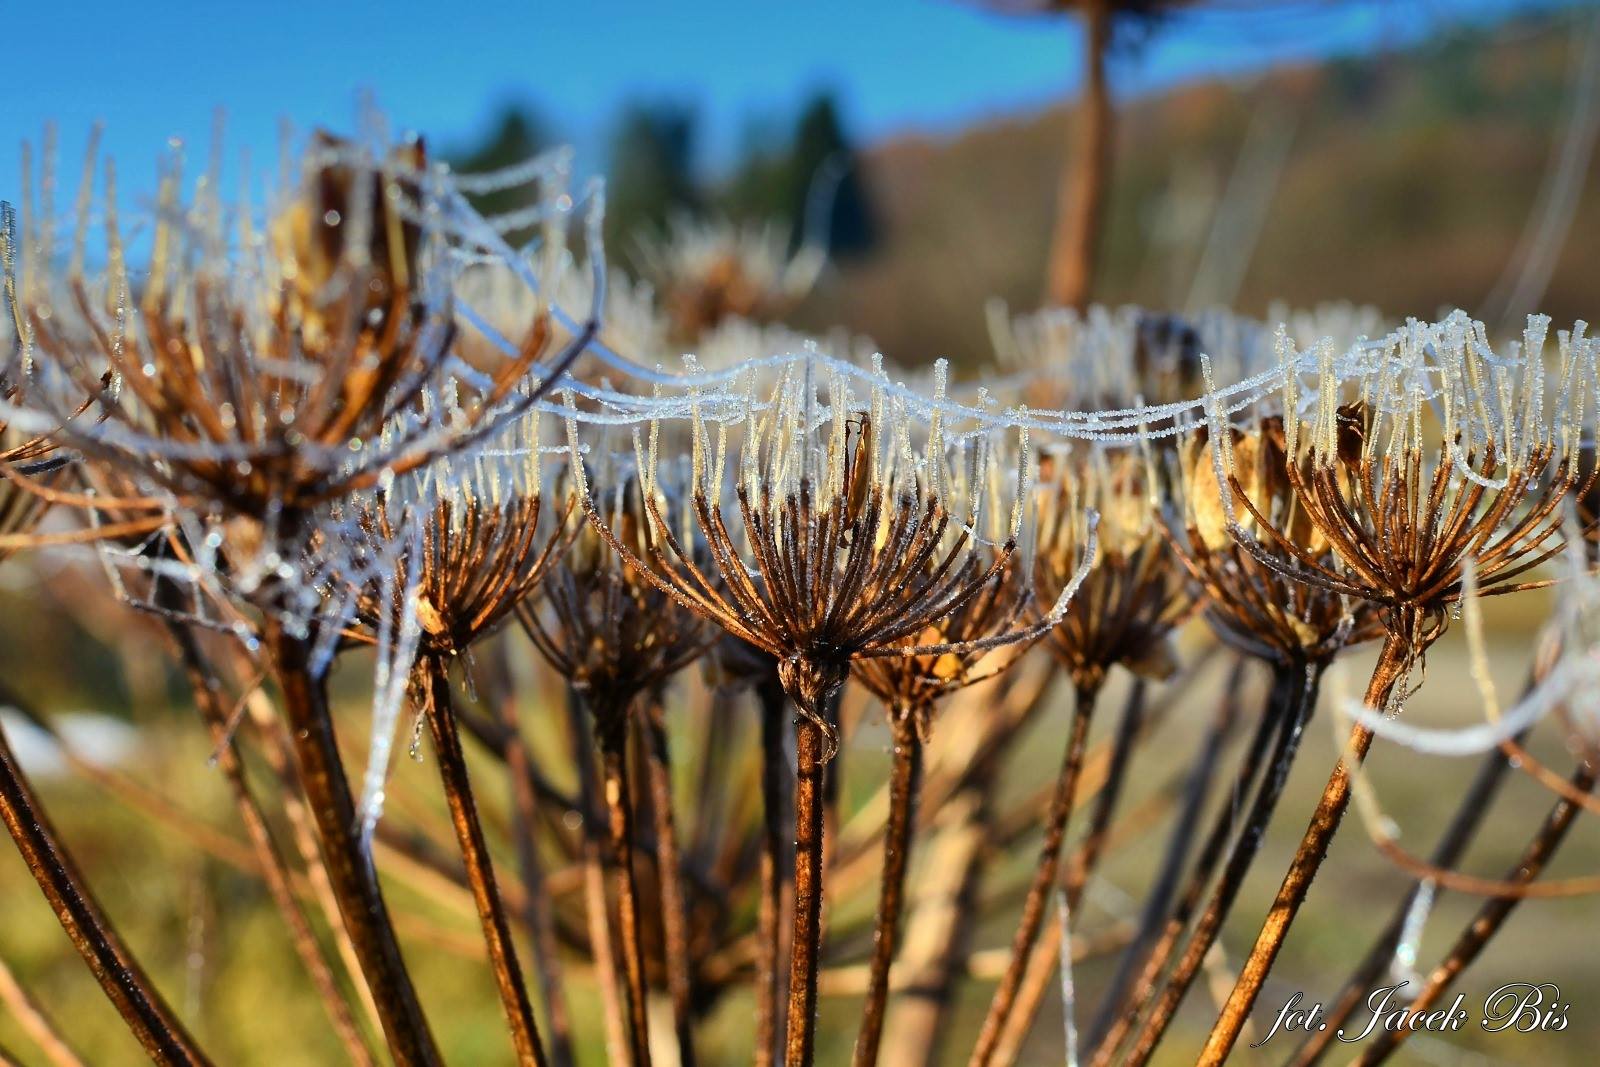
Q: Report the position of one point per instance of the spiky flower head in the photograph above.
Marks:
(843, 539)
(603, 622)
(706, 273)
(1252, 606)
(1428, 454)
(1134, 593)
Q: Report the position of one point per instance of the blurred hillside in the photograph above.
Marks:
(1406, 181)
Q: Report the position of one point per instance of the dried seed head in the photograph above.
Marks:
(847, 543)
(1253, 606)
(1432, 454)
(350, 221)
(1134, 593)
(476, 558)
(912, 686)
(604, 623)
(706, 274)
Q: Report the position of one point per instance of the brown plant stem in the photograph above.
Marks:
(669, 873)
(1080, 210)
(832, 797)
(1491, 916)
(768, 1038)
(1033, 907)
(905, 779)
(537, 915)
(279, 753)
(1299, 685)
(1125, 1011)
(1392, 660)
(127, 986)
(938, 931)
(1165, 886)
(273, 866)
(1046, 958)
(806, 948)
(1089, 853)
(1457, 836)
(619, 819)
(602, 939)
(351, 874)
(434, 681)
(940, 924)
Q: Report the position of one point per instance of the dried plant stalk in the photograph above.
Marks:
(160, 1033)
(350, 871)
(434, 683)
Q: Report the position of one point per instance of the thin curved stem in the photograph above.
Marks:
(127, 986)
(274, 868)
(1213, 851)
(938, 931)
(1046, 960)
(34, 1021)
(1033, 907)
(597, 910)
(350, 871)
(279, 754)
(537, 915)
(1165, 886)
(480, 868)
(1129, 728)
(1308, 858)
(905, 780)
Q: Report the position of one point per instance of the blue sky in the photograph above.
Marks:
(159, 71)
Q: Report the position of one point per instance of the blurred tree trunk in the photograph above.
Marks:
(1080, 210)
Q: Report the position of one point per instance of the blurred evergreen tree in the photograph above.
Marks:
(651, 176)
(817, 170)
(823, 165)
(516, 134)
(757, 190)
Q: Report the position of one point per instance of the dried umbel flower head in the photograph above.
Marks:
(851, 542)
(1430, 464)
(1252, 606)
(349, 214)
(29, 460)
(912, 686)
(1435, 454)
(245, 379)
(479, 547)
(854, 541)
(253, 381)
(1112, 358)
(459, 546)
(706, 273)
(1134, 593)
(606, 626)
(262, 375)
